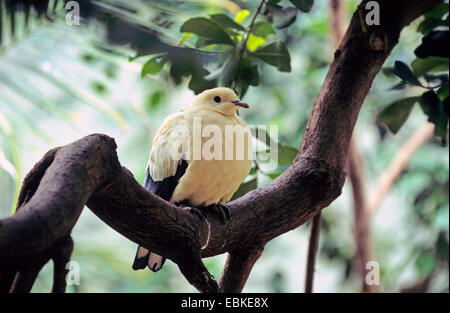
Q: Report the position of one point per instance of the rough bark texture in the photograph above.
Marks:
(88, 172)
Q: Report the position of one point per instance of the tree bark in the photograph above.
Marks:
(88, 172)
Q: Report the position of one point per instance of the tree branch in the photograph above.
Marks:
(398, 164)
(363, 242)
(250, 27)
(88, 172)
(237, 269)
(312, 252)
(336, 27)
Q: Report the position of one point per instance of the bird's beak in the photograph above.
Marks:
(241, 104)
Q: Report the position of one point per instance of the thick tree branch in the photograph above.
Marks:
(88, 172)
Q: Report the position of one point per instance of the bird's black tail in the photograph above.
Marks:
(145, 258)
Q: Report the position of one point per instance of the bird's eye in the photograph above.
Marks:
(217, 99)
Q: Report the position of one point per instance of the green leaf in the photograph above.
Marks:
(154, 100)
(275, 54)
(154, 65)
(208, 29)
(425, 263)
(443, 92)
(263, 29)
(434, 43)
(248, 72)
(433, 107)
(442, 247)
(225, 21)
(190, 64)
(404, 72)
(283, 17)
(438, 11)
(430, 23)
(303, 5)
(396, 113)
(245, 187)
(246, 75)
(229, 69)
(430, 64)
(198, 83)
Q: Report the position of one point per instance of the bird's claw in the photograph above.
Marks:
(199, 213)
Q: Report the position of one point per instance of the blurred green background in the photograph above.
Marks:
(60, 82)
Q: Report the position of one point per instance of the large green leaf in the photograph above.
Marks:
(430, 64)
(275, 54)
(226, 22)
(208, 29)
(154, 65)
(404, 72)
(396, 113)
(263, 29)
(303, 5)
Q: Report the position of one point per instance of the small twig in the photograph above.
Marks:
(250, 27)
(312, 252)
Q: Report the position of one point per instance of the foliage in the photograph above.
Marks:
(428, 71)
(239, 50)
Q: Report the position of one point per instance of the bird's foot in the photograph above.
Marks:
(223, 211)
(197, 212)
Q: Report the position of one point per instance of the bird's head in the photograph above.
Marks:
(222, 100)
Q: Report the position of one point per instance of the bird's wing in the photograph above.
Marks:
(162, 175)
(164, 188)
(166, 154)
